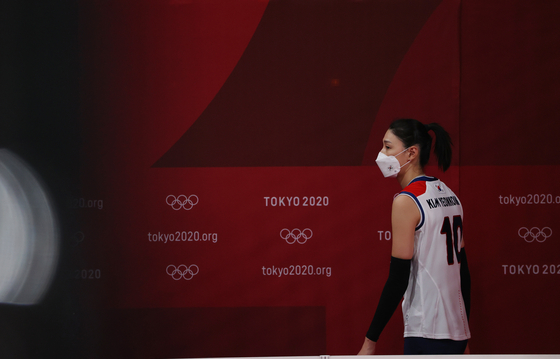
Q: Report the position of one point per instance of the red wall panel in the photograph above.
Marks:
(237, 139)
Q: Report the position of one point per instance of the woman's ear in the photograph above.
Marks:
(413, 152)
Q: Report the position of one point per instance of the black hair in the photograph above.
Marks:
(413, 132)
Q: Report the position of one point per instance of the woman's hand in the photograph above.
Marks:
(368, 348)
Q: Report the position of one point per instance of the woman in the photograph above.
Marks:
(428, 260)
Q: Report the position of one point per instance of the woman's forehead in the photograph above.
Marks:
(391, 138)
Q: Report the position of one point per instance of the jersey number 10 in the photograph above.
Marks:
(452, 238)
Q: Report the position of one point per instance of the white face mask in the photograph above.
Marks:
(389, 165)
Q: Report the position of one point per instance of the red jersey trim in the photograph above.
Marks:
(416, 188)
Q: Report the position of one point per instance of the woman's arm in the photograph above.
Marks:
(405, 216)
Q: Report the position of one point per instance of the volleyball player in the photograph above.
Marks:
(428, 261)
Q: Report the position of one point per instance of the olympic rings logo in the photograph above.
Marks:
(530, 235)
(182, 271)
(182, 201)
(296, 235)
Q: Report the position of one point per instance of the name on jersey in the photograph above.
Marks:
(442, 202)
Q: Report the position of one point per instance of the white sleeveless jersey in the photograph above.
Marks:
(433, 305)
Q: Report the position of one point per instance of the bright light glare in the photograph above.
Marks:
(28, 233)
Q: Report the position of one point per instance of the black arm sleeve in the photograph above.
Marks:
(465, 282)
(394, 289)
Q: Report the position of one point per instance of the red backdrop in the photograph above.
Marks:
(230, 201)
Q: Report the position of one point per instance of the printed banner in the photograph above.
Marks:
(230, 204)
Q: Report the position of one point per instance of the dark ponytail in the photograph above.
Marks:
(413, 132)
(442, 147)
